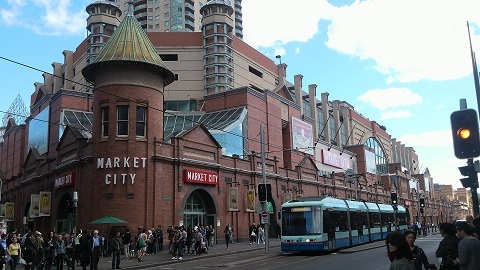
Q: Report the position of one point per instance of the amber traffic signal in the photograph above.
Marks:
(465, 134)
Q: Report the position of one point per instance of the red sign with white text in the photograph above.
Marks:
(65, 180)
(200, 177)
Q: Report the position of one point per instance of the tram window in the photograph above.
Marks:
(374, 220)
(298, 222)
(353, 220)
(402, 219)
(340, 221)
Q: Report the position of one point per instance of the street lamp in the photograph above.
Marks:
(279, 57)
(75, 204)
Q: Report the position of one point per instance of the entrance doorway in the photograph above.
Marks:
(199, 209)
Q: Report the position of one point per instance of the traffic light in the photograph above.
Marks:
(264, 192)
(394, 198)
(422, 203)
(471, 181)
(465, 133)
(69, 204)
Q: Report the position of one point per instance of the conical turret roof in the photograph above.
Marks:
(129, 43)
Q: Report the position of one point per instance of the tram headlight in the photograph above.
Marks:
(308, 240)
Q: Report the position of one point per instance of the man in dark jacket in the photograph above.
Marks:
(116, 247)
(126, 238)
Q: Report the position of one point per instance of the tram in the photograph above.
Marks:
(326, 223)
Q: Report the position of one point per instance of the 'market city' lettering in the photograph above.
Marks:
(117, 162)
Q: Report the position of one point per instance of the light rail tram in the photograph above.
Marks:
(326, 223)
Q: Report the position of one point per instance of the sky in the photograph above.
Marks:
(402, 63)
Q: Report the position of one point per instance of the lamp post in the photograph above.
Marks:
(75, 204)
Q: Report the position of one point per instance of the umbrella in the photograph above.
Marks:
(108, 220)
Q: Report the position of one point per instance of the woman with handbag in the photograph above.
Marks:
(15, 252)
(419, 255)
(448, 248)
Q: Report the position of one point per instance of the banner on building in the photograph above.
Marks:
(233, 199)
(45, 203)
(302, 133)
(34, 205)
(9, 211)
(250, 201)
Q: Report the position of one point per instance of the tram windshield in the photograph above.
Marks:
(303, 220)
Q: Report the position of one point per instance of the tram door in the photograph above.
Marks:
(329, 227)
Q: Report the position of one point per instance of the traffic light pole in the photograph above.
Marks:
(472, 174)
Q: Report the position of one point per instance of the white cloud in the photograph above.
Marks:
(390, 97)
(428, 139)
(395, 114)
(406, 39)
(297, 50)
(51, 17)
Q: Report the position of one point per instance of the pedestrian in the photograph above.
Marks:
(78, 248)
(160, 238)
(227, 234)
(96, 246)
(252, 232)
(3, 251)
(448, 248)
(126, 238)
(142, 245)
(116, 249)
(189, 240)
(468, 248)
(198, 242)
(30, 248)
(60, 250)
(86, 250)
(261, 235)
(419, 255)
(49, 250)
(399, 253)
(15, 252)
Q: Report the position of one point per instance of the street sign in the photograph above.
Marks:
(264, 217)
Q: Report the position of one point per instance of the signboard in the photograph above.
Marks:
(335, 160)
(370, 164)
(65, 180)
(250, 201)
(407, 203)
(200, 177)
(233, 199)
(34, 205)
(302, 136)
(45, 203)
(264, 216)
(9, 211)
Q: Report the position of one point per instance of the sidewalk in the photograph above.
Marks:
(164, 257)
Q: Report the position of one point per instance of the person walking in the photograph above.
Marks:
(227, 234)
(96, 246)
(126, 239)
(116, 248)
(448, 248)
(15, 252)
(30, 248)
(160, 238)
(86, 250)
(399, 253)
(419, 255)
(49, 249)
(468, 248)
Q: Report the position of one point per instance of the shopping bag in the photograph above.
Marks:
(21, 261)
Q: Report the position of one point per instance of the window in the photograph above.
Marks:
(104, 112)
(141, 121)
(157, 17)
(122, 120)
(150, 26)
(157, 26)
(167, 14)
(169, 57)
(157, 9)
(167, 23)
(255, 71)
(150, 9)
(150, 18)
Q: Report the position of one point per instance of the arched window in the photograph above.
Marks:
(381, 161)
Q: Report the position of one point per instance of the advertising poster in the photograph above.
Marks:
(9, 211)
(302, 136)
(250, 201)
(45, 203)
(288, 197)
(2, 209)
(34, 205)
(233, 199)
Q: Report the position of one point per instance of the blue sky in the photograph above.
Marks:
(402, 63)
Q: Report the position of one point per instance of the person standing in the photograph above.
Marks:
(60, 251)
(116, 248)
(398, 252)
(78, 247)
(419, 255)
(49, 248)
(30, 248)
(95, 245)
(15, 252)
(468, 248)
(3, 250)
(127, 238)
(448, 248)
(86, 250)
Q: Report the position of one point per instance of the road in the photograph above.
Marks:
(368, 257)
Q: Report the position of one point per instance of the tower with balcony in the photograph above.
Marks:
(103, 19)
(217, 27)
